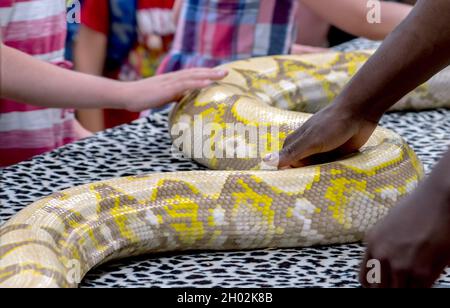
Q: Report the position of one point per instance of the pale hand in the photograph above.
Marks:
(157, 91)
(297, 49)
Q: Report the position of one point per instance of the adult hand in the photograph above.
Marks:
(333, 129)
(412, 243)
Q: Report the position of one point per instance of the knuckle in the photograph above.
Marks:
(290, 151)
(317, 146)
(289, 140)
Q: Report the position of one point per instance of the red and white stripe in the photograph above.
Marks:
(38, 28)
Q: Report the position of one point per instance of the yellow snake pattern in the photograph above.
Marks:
(55, 241)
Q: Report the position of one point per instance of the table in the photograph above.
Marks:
(144, 147)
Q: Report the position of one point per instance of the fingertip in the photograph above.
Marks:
(221, 73)
(272, 159)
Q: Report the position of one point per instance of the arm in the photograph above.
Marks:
(312, 29)
(300, 49)
(26, 79)
(90, 54)
(177, 10)
(420, 250)
(312, 32)
(91, 44)
(420, 47)
(90, 51)
(351, 16)
(416, 50)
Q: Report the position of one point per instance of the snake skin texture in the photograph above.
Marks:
(55, 241)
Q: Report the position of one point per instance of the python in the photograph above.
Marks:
(197, 138)
(237, 205)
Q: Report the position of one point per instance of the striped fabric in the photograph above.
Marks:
(38, 28)
(213, 32)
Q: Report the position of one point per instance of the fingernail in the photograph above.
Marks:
(222, 72)
(272, 159)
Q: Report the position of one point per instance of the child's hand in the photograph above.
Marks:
(157, 91)
(297, 49)
(80, 131)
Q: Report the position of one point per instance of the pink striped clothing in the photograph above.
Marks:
(38, 28)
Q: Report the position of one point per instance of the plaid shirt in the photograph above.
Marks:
(213, 32)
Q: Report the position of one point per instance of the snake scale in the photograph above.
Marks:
(241, 204)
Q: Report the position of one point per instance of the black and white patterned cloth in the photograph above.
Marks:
(144, 147)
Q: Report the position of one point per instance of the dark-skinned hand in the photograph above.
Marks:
(412, 244)
(329, 130)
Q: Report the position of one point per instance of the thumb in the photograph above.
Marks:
(292, 154)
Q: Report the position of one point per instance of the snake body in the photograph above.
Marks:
(55, 241)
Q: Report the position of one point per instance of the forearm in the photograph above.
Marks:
(312, 29)
(440, 177)
(50, 86)
(414, 52)
(177, 10)
(90, 55)
(90, 51)
(352, 16)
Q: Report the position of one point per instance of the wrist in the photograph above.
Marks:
(118, 95)
(437, 189)
(353, 112)
(439, 178)
(439, 198)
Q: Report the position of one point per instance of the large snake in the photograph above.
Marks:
(56, 240)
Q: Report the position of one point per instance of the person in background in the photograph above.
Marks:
(211, 33)
(337, 36)
(312, 31)
(38, 92)
(214, 32)
(38, 28)
(123, 40)
(412, 243)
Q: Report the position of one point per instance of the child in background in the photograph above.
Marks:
(337, 36)
(38, 28)
(312, 32)
(213, 32)
(123, 40)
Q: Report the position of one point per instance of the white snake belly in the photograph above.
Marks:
(56, 240)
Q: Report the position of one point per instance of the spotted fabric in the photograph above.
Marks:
(144, 147)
